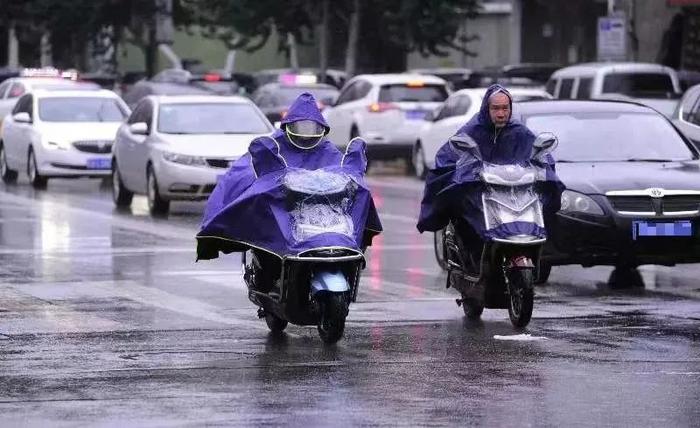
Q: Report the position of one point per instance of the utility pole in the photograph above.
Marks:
(12, 47)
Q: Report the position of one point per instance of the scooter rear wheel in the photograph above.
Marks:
(472, 309)
(274, 323)
(521, 297)
(331, 324)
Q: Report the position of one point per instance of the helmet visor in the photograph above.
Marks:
(306, 129)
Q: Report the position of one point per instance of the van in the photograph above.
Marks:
(651, 84)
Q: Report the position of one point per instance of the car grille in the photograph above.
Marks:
(219, 163)
(645, 204)
(681, 203)
(94, 146)
(631, 203)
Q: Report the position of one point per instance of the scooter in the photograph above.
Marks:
(316, 286)
(500, 273)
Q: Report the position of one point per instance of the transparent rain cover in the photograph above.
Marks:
(511, 175)
(506, 204)
(321, 202)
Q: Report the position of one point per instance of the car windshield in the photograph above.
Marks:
(80, 109)
(288, 95)
(412, 93)
(612, 136)
(211, 118)
(640, 85)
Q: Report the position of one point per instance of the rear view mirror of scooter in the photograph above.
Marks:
(544, 144)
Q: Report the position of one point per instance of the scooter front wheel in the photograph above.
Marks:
(274, 323)
(521, 296)
(472, 308)
(331, 323)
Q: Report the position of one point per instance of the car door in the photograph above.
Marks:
(127, 148)
(16, 133)
(141, 149)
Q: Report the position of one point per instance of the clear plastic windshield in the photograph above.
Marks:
(320, 202)
(507, 204)
(510, 175)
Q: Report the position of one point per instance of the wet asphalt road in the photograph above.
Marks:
(106, 320)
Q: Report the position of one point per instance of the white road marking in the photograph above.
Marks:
(519, 337)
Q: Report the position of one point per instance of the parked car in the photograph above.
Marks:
(60, 134)
(654, 85)
(633, 202)
(687, 115)
(333, 77)
(144, 88)
(13, 88)
(387, 110)
(275, 98)
(176, 147)
(456, 78)
(457, 110)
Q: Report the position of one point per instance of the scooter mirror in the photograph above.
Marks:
(545, 142)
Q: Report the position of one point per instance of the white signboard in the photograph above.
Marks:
(612, 38)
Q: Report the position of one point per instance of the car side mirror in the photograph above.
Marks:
(139, 128)
(544, 144)
(22, 117)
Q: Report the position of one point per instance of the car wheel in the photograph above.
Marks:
(121, 196)
(8, 175)
(543, 273)
(156, 204)
(37, 180)
(418, 161)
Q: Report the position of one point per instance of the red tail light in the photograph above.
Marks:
(212, 77)
(284, 114)
(381, 107)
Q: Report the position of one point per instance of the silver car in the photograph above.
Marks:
(177, 147)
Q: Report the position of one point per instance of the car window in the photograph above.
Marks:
(689, 101)
(349, 94)
(448, 109)
(463, 104)
(147, 114)
(694, 115)
(80, 109)
(324, 95)
(16, 90)
(406, 92)
(551, 85)
(565, 88)
(584, 88)
(211, 118)
(23, 105)
(586, 137)
(363, 89)
(641, 85)
(136, 113)
(3, 88)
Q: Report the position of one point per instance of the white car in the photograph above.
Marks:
(60, 134)
(387, 110)
(457, 110)
(177, 147)
(13, 88)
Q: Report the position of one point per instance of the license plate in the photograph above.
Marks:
(415, 114)
(99, 163)
(653, 228)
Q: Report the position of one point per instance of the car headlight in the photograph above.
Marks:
(574, 202)
(184, 159)
(60, 145)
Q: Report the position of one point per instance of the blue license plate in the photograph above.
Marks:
(99, 163)
(415, 114)
(653, 228)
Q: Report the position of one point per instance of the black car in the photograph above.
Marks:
(275, 98)
(633, 187)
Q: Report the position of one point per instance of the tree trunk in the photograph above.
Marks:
(150, 51)
(353, 37)
(45, 57)
(323, 42)
(12, 47)
(293, 56)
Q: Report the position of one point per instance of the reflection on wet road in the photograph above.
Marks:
(105, 317)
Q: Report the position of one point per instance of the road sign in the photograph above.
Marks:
(612, 38)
